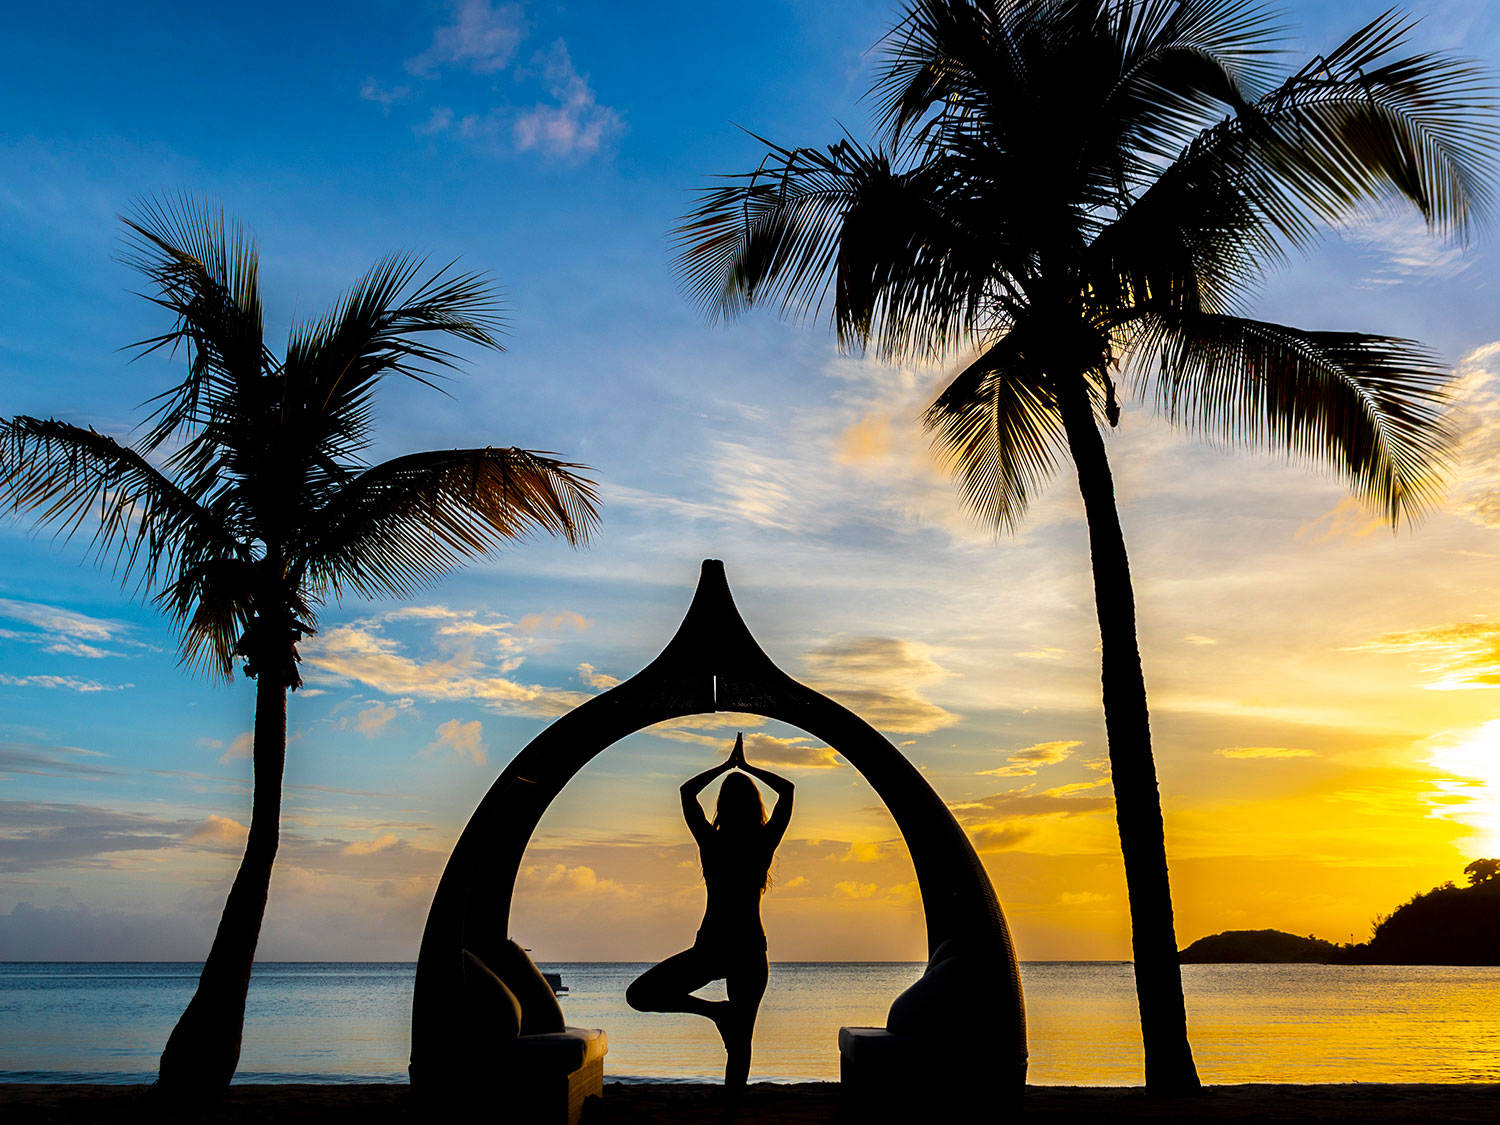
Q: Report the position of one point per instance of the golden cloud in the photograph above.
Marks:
(1475, 488)
(871, 851)
(596, 679)
(1468, 652)
(553, 622)
(1264, 752)
(360, 652)
(242, 747)
(219, 831)
(559, 879)
(464, 739)
(1025, 803)
(370, 847)
(375, 718)
(796, 753)
(998, 837)
(1024, 762)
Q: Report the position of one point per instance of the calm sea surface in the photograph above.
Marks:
(106, 1022)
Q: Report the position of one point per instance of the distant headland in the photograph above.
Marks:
(1447, 925)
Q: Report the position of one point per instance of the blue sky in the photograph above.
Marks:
(1293, 652)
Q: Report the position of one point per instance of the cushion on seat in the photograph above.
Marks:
(493, 1011)
(954, 985)
(563, 1051)
(540, 1013)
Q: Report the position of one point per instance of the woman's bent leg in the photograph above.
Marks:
(668, 987)
(747, 984)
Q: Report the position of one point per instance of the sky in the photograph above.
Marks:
(1323, 690)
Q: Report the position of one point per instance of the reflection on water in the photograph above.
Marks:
(349, 1023)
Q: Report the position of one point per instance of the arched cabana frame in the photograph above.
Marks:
(712, 664)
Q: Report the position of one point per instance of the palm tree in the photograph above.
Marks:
(1078, 191)
(247, 505)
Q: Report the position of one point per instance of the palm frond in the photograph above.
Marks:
(895, 251)
(1369, 407)
(205, 272)
(382, 326)
(1357, 127)
(1179, 61)
(211, 601)
(1348, 129)
(405, 522)
(66, 476)
(998, 427)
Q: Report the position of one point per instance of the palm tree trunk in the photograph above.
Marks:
(1127, 724)
(204, 1048)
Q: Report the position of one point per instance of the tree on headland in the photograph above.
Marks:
(247, 505)
(1482, 871)
(1082, 194)
(1447, 925)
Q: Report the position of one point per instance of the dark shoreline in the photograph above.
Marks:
(800, 1104)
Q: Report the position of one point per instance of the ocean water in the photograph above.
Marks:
(106, 1022)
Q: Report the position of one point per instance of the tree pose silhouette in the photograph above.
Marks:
(1076, 192)
(736, 852)
(247, 505)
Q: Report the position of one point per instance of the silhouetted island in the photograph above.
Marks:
(1447, 925)
(1258, 946)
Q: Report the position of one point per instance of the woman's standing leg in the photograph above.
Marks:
(746, 984)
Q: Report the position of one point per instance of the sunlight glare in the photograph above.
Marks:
(1471, 792)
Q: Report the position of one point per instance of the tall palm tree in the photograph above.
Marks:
(246, 505)
(1079, 191)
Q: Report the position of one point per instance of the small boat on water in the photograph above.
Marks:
(553, 979)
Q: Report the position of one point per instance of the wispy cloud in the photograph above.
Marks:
(565, 122)
(60, 683)
(1264, 752)
(1467, 654)
(595, 678)
(480, 37)
(573, 125)
(63, 631)
(798, 753)
(51, 761)
(219, 832)
(373, 91)
(372, 720)
(1407, 251)
(878, 678)
(462, 656)
(242, 746)
(1475, 491)
(38, 835)
(1025, 762)
(1025, 802)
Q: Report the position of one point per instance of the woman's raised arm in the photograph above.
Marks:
(781, 815)
(692, 811)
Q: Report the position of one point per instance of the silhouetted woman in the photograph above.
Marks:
(736, 852)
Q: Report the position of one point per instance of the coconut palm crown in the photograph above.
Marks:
(1082, 196)
(246, 505)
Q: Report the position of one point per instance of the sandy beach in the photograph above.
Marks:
(800, 1104)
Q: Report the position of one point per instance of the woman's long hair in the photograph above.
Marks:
(738, 808)
(739, 804)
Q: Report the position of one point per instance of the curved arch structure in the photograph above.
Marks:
(711, 664)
